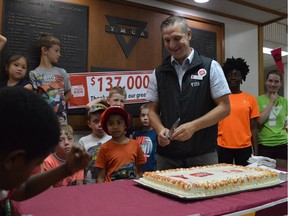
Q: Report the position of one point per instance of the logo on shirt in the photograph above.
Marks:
(49, 78)
(195, 84)
(127, 171)
(146, 145)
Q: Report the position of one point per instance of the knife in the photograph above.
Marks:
(173, 128)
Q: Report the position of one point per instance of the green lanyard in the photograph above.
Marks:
(8, 208)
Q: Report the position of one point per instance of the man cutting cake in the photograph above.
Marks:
(193, 88)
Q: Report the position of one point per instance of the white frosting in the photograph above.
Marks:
(210, 180)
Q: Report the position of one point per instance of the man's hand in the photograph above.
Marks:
(184, 132)
(163, 138)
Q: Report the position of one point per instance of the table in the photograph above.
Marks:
(127, 197)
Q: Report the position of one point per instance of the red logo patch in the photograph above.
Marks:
(202, 72)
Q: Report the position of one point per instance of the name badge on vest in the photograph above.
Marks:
(196, 77)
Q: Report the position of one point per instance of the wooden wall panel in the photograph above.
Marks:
(105, 51)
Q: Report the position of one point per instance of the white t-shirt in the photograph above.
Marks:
(89, 141)
(92, 144)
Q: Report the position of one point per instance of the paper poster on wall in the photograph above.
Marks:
(86, 87)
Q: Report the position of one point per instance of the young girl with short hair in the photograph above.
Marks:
(16, 68)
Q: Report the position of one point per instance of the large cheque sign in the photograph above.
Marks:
(86, 87)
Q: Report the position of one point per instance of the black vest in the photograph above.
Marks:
(192, 102)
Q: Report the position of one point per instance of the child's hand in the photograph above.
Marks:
(77, 159)
(97, 100)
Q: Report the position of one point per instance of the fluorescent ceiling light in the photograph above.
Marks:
(268, 51)
(201, 1)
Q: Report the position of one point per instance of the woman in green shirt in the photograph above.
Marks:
(273, 120)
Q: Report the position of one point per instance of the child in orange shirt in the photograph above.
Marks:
(117, 97)
(59, 157)
(120, 157)
(237, 133)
